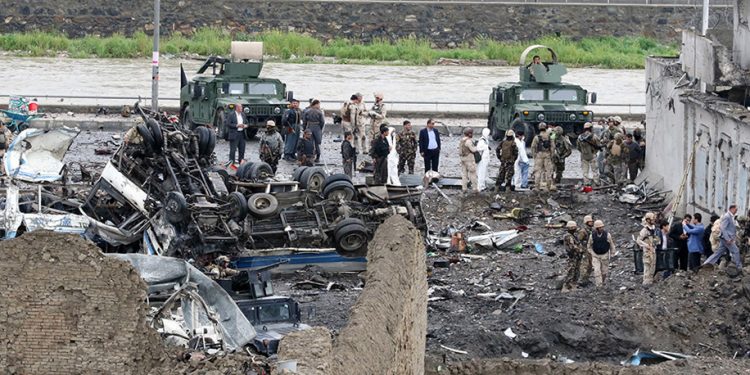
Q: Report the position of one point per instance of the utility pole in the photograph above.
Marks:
(155, 60)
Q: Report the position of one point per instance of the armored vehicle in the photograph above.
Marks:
(206, 99)
(539, 96)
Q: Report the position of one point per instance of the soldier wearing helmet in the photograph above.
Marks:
(607, 136)
(466, 150)
(600, 245)
(574, 243)
(649, 239)
(220, 268)
(271, 145)
(377, 115)
(617, 156)
(589, 145)
(543, 147)
(563, 149)
(507, 153)
(585, 272)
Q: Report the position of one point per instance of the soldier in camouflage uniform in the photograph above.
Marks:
(617, 156)
(357, 119)
(585, 266)
(507, 152)
(563, 149)
(607, 136)
(377, 115)
(406, 147)
(543, 147)
(649, 240)
(271, 146)
(574, 242)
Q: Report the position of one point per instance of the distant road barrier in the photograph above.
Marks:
(328, 104)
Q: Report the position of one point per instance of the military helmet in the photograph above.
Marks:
(542, 126)
(571, 225)
(468, 130)
(510, 133)
(559, 130)
(598, 224)
(588, 125)
(222, 259)
(618, 136)
(270, 124)
(587, 219)
(649, 216)
(617, 119)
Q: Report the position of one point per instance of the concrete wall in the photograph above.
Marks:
(742, 33)
(386, 333)
(446, 24)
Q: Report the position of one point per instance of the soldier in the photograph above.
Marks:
(6, 137)
(315, 120)
(507, 152)
(588, 144)
(377, 115)
(406, 147)
(220, 268)
(573, 240)
(649, 239)
(543, 147)
(608, 135)
(617, 154)
(586, 268)
(346, 113)
(466, 150)
(357, 113)
(271, 146)
(348, 154)
(306, 149)
(563, 149)
(600, 245)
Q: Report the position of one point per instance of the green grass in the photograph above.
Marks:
(605, 52)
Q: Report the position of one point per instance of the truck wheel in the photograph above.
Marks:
(530, 133)
(155, 129)
(187, 119)
(312, 179)
(203, 139)
(175, 207)
(243, 170)
(237, 206)
(350, 238)
(336, 177)
(298, 173)
(262, 205)
(339, 190)
(219, 125)
(259, 171)
(250, 133)
(148, 138)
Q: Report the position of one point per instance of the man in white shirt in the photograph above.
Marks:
(523, 163)
(236, 123)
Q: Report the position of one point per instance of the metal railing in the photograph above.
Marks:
(330, 104)
(592, 2)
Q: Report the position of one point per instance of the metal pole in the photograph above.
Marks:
(155, 60)
(704, 29)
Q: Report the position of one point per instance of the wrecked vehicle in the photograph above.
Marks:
(205, 99)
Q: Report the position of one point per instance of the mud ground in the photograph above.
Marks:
(705, 315)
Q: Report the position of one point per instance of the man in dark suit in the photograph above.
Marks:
(236, 123)
(679, 237)
(429, 146)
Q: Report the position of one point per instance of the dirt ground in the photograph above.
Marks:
(705, 315)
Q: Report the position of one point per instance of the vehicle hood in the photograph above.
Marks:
(36, 155)
(255, 100)
(549, 107)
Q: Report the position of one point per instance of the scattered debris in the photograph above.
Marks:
(454, 350)
(653, 357)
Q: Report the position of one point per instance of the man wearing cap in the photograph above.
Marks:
(466, 150)
(563, 149)
(507, 152)
(306, 149)
(543, 147)
(429, 146)
(406, 147)
(600, 246)
(357, 119)
(271, 145)
(377, 115)
(586, 268)
(380, 150)
(588, 145)
(574, 239)
(291, 122)
(314, 121)
(649, 239)
(235, 124)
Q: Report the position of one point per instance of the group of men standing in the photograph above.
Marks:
(615, 153)
(589, 249)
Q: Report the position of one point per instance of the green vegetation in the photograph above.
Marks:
(606, 52)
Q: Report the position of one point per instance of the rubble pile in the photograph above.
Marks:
(69, 309)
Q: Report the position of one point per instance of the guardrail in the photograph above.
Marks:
(329, 104)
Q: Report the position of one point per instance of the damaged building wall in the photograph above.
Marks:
(66, 309)
(741, 46)
(386, 333)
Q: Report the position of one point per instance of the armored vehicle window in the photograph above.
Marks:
(236, 88)
(532, 94)
(566, 95)
(274, 313)
(261, 88)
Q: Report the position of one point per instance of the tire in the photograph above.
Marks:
(204, 138)
(219, 124)
(175, 207)
(250, 133)
(155, 129)
(242, 171)
(237, 206)
(148, 138)
(312, 179)
(187, 119)
(340, 190)
(530, 134)
(262, 205)
(211, 143)
(336, 177)
(298, 173)
(260, 170)
(350, 237)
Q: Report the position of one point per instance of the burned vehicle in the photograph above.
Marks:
(206, 99)
(539, 96)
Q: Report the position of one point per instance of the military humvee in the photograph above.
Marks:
(539, 96)
(205, 100)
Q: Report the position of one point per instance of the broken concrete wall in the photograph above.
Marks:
(741, 46)
(67, 309)
(388, 325)
(699, 57)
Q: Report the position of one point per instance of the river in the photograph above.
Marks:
(332, 83)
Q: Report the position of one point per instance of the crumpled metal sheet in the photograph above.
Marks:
(36, 155)
(158, 271)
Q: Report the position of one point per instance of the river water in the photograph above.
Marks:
(332, 83)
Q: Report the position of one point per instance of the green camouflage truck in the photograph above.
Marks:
(539, 96)
(206, 99)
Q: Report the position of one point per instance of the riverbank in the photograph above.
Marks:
(603, 52)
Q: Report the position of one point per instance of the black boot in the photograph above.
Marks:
(512, 187)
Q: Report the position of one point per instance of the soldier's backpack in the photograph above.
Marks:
(345, 113)
(544, 143)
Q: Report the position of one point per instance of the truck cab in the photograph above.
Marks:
(222, 83)
(539, 96)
